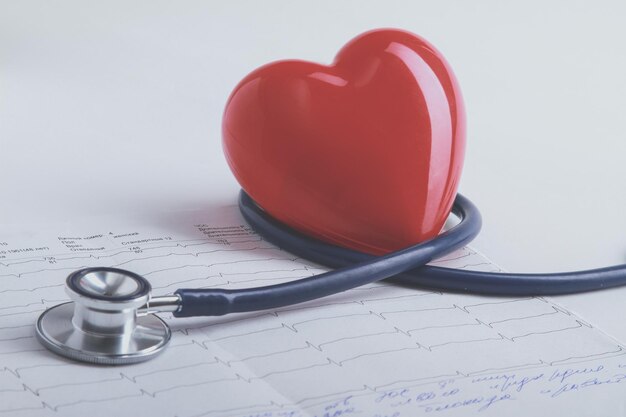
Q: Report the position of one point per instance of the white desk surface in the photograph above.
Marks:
(110, 108)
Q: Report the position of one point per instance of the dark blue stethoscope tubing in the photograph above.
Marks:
(439, 278)
(214, 302)
(406, 267)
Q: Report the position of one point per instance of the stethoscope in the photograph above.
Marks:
(111, 319)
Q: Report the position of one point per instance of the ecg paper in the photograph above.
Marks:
(376, 351)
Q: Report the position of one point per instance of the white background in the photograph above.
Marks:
(115, 108)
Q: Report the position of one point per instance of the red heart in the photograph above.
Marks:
(365, 153)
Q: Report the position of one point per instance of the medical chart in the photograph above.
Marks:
(376, 351)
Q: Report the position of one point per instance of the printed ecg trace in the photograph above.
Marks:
(378, 350)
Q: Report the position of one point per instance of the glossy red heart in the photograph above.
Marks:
(365, 153)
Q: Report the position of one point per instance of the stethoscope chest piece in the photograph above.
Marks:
(107, 321)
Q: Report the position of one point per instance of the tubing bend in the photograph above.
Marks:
(438, 278)
(217, 302)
